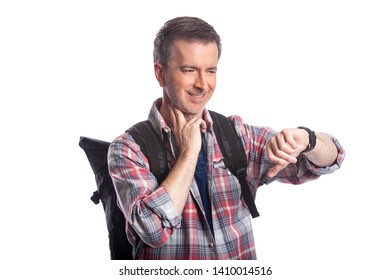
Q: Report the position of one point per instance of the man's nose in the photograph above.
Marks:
(201, 81)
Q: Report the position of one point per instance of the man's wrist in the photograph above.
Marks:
(312, 139)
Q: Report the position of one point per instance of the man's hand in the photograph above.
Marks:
(187, 132)
(189, 141)
(285, 147)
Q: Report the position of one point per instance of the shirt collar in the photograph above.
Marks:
(157, 121)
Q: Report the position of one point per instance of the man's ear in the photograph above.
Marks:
(160, 74)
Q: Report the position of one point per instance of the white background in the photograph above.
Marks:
(84, 68)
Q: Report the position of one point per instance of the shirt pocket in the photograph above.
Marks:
(225, 181)
(226, 195)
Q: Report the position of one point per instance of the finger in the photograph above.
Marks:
(282, 140)
(289, 137)
(273, 157)
(198, 121)
(178, 117)
(279, 156)
(272, 172)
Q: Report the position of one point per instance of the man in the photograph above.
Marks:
(197, 212)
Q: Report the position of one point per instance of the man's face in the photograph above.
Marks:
(190, 77)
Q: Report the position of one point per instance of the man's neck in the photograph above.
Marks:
(165, 111)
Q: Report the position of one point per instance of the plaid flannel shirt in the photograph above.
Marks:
(150, 214)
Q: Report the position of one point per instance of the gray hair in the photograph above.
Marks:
(182, 28)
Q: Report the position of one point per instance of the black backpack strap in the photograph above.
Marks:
(234, 156)
(152, 147)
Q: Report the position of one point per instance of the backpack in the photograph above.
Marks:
(151, 145)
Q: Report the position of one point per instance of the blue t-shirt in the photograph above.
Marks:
(201, 180)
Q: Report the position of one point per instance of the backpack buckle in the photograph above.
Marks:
(241, 174)
(95, 197)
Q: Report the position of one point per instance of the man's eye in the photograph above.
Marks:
(188, 70)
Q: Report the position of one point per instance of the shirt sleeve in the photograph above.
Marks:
(148, 208)
(256, 138)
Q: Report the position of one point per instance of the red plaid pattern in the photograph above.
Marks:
(149, 210)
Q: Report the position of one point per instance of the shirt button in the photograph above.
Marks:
(212, 244)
